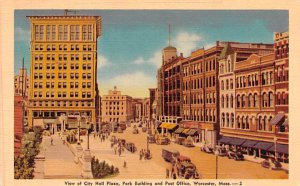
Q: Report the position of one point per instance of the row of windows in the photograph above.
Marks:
(63, 85)
(200, 115)
(114, 108)
(63, 47)
(61, 103)
(251, 101)
(282, 74)
(37, 94)
(282, 51)
(197, 98)
(63, 32)
(63, 76)
(172, 71)
(226, 68)
(227, 85)
(114, 113)
(172, 85)
(63, 57)
(39, 66)
(172, 97)
(199, 83)
(197, 68)
(114, 102)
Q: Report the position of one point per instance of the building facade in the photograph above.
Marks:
(116, 107)
(63, 67)
(21, 82)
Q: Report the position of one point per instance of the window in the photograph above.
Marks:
(53, 32)
(90, 32)
(65, 32)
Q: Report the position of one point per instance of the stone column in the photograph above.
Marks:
(86, 165)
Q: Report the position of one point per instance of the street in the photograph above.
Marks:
(156, 167)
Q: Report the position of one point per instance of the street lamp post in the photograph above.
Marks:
(275, 149)
(87, 158)
(78, 119)
(217, 156)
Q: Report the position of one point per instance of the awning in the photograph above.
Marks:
(237, 141)
(281, 148)
(277, 119)
(286, 123)
(179, 130)
(225, 139)
(192, 132)
(168, 126)
(249, 143)
(185, 131)
(263, 145)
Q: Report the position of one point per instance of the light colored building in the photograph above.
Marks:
(22, 83)
(63, 68)
(116, 107)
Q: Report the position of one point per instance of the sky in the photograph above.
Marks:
(129, 49)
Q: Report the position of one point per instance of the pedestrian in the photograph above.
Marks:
(94, 135)
(115, 150)
(125, 164)
(120, 151)
(141, 156)
(51, 140)
(172, 170)
(167, 173)
(174, 175)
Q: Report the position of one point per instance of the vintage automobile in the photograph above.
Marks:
(236, 155)
(207, 149)
(135, 131)
(161, 140)
(188, 143)
(140, 124)
(122, 125)
(151, 139)
(187, 170)
(169, 155)
(182, 158)
(271, 164)
(144, 129)
(220, 151)
(130, 147)
(180, 140)
(122, 141)
(120, 130)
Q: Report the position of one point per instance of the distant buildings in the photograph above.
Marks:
(63, 68)
(116, 107)
(21, 82)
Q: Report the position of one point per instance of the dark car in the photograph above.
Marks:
(221, 151)
(236, 155)
(130, 147)
(271, 164)
(207, 149)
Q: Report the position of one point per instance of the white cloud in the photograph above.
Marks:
(139, 61)
(21, 34)
(102, 62)
(187, 42)
(133, 84)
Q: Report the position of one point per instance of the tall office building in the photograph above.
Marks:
(63, 69)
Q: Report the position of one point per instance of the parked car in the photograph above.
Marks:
(151, 139)
(221, 151)
(140, 124)
(206, 148)
(271, 164)
(135, 131)
(169, 154)
(180, 140)
(236, 155)
(120, 130)
(122, 126)
(144, 129)
(161, 140)
(188, 143)
(130, 147)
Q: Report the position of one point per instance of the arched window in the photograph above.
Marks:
(222, 85)
(270, 126)
(250, 100)
(243, 101)
(227, 84)
(255, 100)
(259, 123)
(263, 79)
(232, 120)
(227, 101)
(227, 120)
(278, 98)
(238, 122)
(238, 101)
(265, 123)
(231, 84)
(264, 100)
(228, 66)
(231, 101)
(247, 122)
(271, 99)
(243, 122)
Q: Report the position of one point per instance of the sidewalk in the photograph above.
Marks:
(58, 160)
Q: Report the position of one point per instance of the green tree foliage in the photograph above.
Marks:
(24, 163)
(102, 169)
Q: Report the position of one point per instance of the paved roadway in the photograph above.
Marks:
(155, 168)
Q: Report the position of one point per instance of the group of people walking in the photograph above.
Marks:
(144, 153)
